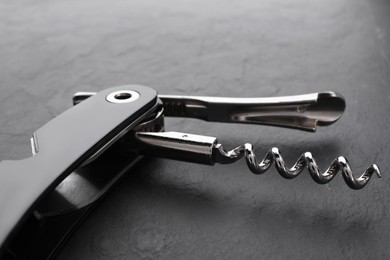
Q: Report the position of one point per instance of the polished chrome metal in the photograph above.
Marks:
(207, 150)
(178, 146)
(34, 144)
(304, 112)
(306, 160)
(154, 123)
(81, 96)
(122, 96)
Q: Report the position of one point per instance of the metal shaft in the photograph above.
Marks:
(177, 146)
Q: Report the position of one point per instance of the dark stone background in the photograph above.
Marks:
(167, 209)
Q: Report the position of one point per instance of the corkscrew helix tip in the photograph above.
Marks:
(207, 150)
(305, 160)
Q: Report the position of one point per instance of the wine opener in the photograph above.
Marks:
(79, 155)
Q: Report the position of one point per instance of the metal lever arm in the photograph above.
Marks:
(303, 112)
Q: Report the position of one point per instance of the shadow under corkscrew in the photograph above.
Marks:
(306, 160)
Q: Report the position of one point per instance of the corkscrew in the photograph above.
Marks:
(304, 112)
(82, 153)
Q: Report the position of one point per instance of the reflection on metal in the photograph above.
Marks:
(122, 96)
(207, 150)
(306, 160)
(304, 112)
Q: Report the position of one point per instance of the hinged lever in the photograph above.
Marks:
(303, 112)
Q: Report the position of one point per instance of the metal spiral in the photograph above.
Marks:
(305, 160)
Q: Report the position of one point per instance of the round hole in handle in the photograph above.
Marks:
(122, 96)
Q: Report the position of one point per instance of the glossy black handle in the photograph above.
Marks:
(62, 145)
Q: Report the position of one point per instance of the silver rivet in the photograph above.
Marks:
(122, 96)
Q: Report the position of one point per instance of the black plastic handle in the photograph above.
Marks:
(62, 145)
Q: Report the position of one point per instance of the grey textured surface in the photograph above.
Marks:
(167, 209)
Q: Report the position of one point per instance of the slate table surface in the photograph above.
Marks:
(176, 210)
